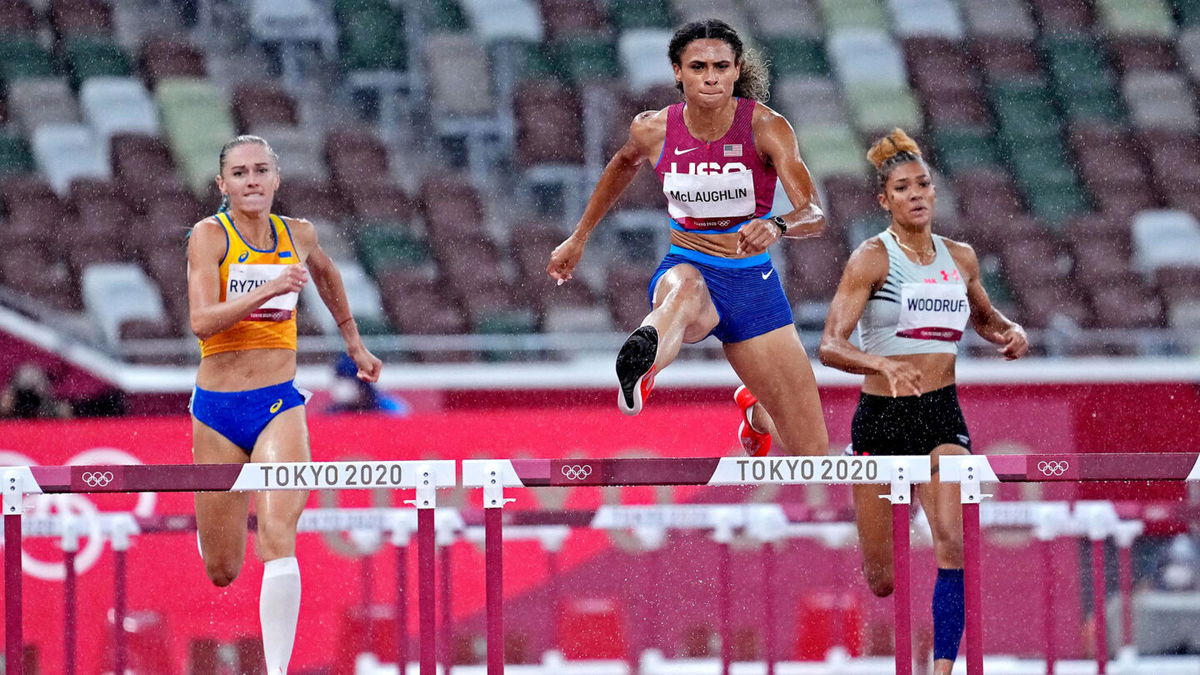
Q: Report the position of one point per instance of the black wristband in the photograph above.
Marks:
(781, 224)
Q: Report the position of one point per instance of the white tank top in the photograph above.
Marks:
(919, 309)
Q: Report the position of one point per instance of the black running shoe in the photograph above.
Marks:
(635, 369)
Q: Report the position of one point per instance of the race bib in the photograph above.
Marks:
(710, 196)
(244, 279)
(933, 311)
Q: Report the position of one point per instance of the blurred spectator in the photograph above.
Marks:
(351, 394)
(28, 395)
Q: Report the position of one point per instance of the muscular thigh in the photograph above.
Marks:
(684, 285)
(285, 439)
(220, 516)
(873, 517)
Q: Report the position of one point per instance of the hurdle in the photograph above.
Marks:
(971, 471)
(425, 477)
(492, 476)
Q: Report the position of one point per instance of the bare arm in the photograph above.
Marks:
(646, 132)
(776, 140)
(207, 314)
(988, 321)
(865, 271)
(328, 281)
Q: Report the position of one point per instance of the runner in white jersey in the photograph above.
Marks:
(911, 293)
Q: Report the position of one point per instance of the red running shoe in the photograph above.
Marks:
(756, 443)
(635, 369)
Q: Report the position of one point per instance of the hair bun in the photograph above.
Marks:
(891, 145)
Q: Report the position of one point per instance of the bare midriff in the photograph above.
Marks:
(937, 371)
(721, 245)
(246, 369)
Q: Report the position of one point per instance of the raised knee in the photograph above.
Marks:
(222, 573)
(879, 580)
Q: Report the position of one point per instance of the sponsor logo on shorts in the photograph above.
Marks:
(963, 438)
(276, 406)
(767, 275)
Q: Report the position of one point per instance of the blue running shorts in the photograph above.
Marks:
(747, 293)
(240, 416)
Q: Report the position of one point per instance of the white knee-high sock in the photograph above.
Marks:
(278, 611)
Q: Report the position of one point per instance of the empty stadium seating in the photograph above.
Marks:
(1063, 133)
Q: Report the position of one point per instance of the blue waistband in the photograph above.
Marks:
(717, 261)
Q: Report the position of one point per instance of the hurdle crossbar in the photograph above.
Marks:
(17, 482)
(971, 471)
(495, 475)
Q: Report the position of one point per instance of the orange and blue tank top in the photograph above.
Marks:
(245, 268)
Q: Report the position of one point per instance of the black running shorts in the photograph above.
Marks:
(908, 425)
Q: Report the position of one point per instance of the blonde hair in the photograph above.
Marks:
(891, 151)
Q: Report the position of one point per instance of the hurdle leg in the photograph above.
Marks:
(70, 547)
(725, 611)
(493, 538)
(1048, 603)
(1099, 612)
(427, 591)
(119, 611)
(13, 639)
(401, 627)
(973, 588)
(447, 610)
(902, 591)
(1125, 563)
(768, 586)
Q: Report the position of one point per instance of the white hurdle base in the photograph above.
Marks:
(652, 663)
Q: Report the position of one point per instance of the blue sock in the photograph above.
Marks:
(948, 613)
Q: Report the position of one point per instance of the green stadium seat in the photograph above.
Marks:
(877, 108)
(959, 148)
(627, 14)
(830, 149)
(196, 121)
(15, 157)
(1136, 18)
(854, 14)
(381, 246)
(796, 56)
(444, 16)
(90, 57)
(586, 58)
(1187, 12)
(373, 39)
(23, 58)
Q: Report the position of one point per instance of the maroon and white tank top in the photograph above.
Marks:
(714, 187)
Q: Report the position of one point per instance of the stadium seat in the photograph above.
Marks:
(1159, 100)
(583, 58)
(814, 268)
(355, 157)
(15, 156)
(36, 101)
(420, 307)
(568, 19)
(73, 18)
(962, 147)
(382, 247)
(365, 302)
(1099, 261)
(116, 293)
(1165, 238)
(17, 17)
(642, 53)
(30, 270)
(853, 15)
(64, 152)
(140, 161)
(495, 20)
(1003, 58)
(931, 18)
(1145, 18)
(1188, 47)
(196, 122)
(310, 198)
(866, 57)
(729, 11)
(810, 100)
(300, 150)
(831, 149)
(379, 201)
(1063, 16)
(371, 39)
(785, 19)
(1130, 54)
(1008, 19)
(170, 58)
(792, 55)
(93, 57)
(549, 124)
(878, 109)
(114, 105)
(1125, 303)
(263, 104)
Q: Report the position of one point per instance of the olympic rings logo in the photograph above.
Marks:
(97, 478)
(1053, 467)
(576, 471)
